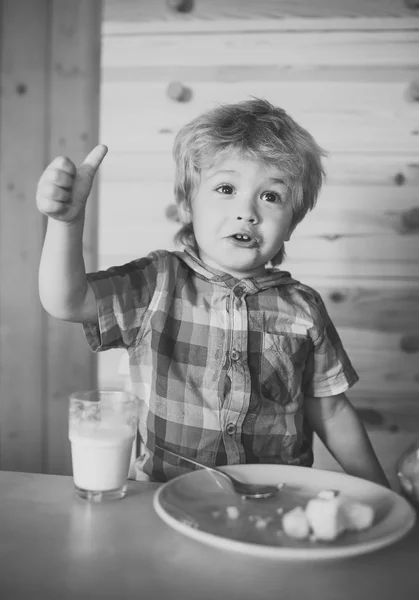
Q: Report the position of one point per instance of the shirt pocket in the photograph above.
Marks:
(283, 361)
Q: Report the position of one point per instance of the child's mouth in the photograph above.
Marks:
(245, 241)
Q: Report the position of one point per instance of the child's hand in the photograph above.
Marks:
(63, 188)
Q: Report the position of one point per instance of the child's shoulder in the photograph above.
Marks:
(156, 264)
(161, 259)
(307, 292)
(309, 301)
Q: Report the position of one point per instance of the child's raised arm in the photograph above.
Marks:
(62, 193)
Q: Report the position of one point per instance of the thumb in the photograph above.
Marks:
(92, 162)
(86, 173)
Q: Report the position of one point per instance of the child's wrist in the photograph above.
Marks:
(76, 224)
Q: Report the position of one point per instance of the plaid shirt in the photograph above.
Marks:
(220, 365)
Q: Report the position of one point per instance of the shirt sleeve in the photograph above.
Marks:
(329, 371)
(123, 295)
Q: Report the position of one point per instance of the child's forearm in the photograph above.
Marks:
(62, 275)
(352, 448)
(346, 438)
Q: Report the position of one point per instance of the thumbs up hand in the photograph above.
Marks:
(63, 188)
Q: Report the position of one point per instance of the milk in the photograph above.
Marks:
(100, 456)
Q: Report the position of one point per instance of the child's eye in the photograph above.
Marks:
(271, 197)
(225, 189)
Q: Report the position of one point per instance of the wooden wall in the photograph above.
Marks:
(49, 67)
(348, 71)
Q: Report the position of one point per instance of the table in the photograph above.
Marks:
(55, 545)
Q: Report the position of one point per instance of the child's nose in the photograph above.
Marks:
(246, 210)
(249, 219)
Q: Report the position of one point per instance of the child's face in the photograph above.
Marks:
(241, 215)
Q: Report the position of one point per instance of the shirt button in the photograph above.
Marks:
(235, 355)
(231, 429)
(238, 292)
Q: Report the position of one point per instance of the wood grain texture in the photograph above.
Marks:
(382, 48)
(22, 156)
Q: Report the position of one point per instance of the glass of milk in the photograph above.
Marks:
(102, 429)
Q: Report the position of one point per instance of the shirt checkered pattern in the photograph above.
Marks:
(220, 365)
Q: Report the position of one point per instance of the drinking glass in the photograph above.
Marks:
(102, 429)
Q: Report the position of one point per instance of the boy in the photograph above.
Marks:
(233, 360)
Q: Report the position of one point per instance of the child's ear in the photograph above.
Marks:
(184, 212)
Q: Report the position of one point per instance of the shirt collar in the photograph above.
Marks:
(273, 277)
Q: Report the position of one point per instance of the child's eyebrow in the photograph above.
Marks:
(277, 180)
(222, 171)
(273, 179)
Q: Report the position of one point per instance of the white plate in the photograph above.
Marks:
(195, 504)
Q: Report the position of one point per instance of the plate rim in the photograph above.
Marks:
(281, 552)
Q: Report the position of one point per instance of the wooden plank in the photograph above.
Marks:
(281, 75)
(209, 10)
(357, 256)
(22, 156)
(301, 269)
(349, 169)
(288, 24)
(299, 49)
(373, 169)
(332, 92)
(362, 211)
(343, 117)
(74, 100)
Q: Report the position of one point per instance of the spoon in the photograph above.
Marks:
(248, 490)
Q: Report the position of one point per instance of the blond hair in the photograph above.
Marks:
(256, 130)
